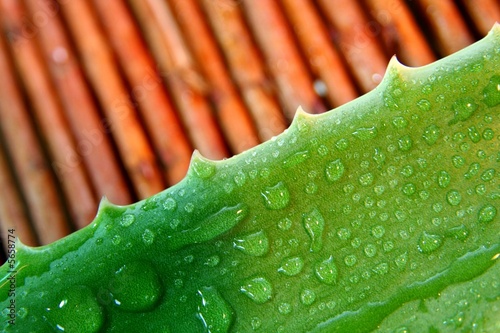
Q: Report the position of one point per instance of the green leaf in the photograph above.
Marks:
(381, 215)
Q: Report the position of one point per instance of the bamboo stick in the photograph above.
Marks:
(12, 214)
(120, 116)
(32, 170)
(292, 78)
(246, 66)
(93, 147)
(169, 140)
(451, 32)
(401, 32)
(484, 13)
(357, 41)
(50, 119)
(323, 58)
(233, 118)
(182, 78)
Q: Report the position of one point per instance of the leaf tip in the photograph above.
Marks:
(200, 166)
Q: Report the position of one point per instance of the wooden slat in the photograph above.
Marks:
(484, 13)
(50, 118)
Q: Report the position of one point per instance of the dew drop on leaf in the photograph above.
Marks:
(487, 213)
(307, 296)
(76, 310)
(474, 134)
(378, 231)
(453, 197)
(350, 260)
(463, 109)
(334, 170)
(405, 143)
(258, 289)
(291, 266)
(326, 271)
(148, 237)
(428, 243)
(127, 220)
(424, 105)
(314, 224)
(365, 133)
(276, 197)
(255, 244)
(170, 204)
(491, 93)
(366, 179)
(213, 311)
(431, 134)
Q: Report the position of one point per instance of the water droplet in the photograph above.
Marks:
(258, 289)
(453, 197)
(388, 246)
(488, 134)
(407, 171)
(127, 220)
(148, 237)
(370, 250)
(458, 161)
(424, 105)
(399, 122)
(381, 269)
(326, 271)
(491, 93)
(202, 167)
(285, 224)
(256, 323)
(365, 133)
(342, 144)
(488, 175)
(344, 233)
(378, 231)
(212, 261)
(213, 311)
(170, 204)
(240, 178)
(474, 134)
(463, 109)
(379, 189)
(135, 287)
(296, 159)
(189, 207)
(429, 242)
(77, 310)
(276, 197)
(379, 156)
(350, 260)
(443, 179)
(487, 213)
(459, 232)
(307, 296)
(334, 170)
(322, 150)
(291, 266)
(431, 134)
(116, 240)
(256, 244)
(473, 170)
(409, 189)
(314, 223)
(405, 143)
(366, 179)
(401, 261)
(285, 308)
(311, 188)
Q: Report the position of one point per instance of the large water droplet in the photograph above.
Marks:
(474, 134)
(429, 242)
(365, 133)
(307, 296)
(296, 159)
(291, 266)
(453, 197)
(473, 170)
(314, 223)
(334, 170)
(405, 143)
(459, 232)
(491, 93)
(258, 289)
(488, 175)
(276, 197)
(256, 244)
(366, 179)
(127, 220)
(135, 287)
(463, 109)
(76, 310)
(487, 213)
(326, 271)
(431, 134)
(214, 312)
(443, 179)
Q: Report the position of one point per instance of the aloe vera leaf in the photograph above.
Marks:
(380, 215)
